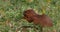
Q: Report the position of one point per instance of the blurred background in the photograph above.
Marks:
(11, 13)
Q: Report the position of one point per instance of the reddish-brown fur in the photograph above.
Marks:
(43, 20)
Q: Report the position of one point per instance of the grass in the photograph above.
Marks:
(11, 13)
